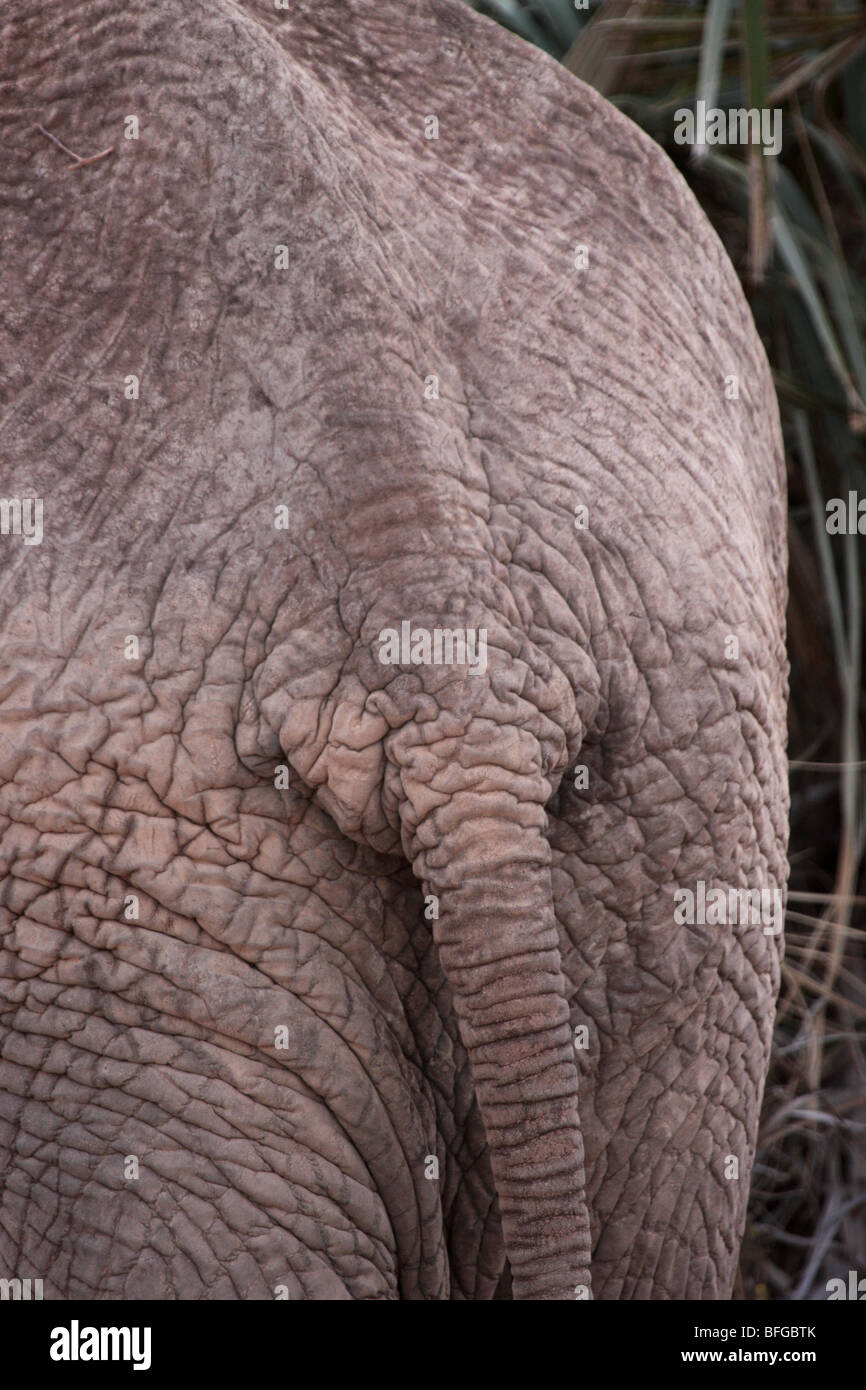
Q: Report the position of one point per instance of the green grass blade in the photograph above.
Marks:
(561, 18)
(712, 52)
(515, 17)
(788, 246)
(756, 52)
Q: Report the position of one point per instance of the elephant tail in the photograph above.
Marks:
(473, 825)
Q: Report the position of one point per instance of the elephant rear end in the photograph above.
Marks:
(406, 640)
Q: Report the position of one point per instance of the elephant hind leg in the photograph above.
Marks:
(676, 1011)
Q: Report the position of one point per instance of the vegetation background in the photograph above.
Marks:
(794, 227)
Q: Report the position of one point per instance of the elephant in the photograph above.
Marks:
(394, 674)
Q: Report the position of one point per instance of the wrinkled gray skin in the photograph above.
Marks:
(148, 1031)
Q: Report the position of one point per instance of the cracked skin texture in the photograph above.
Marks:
(151, 774)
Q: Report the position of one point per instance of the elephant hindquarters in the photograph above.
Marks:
(178, 1122)
(673, 1003)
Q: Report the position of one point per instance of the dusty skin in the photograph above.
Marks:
(167, 907)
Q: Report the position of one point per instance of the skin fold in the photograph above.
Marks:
(242, 1055)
